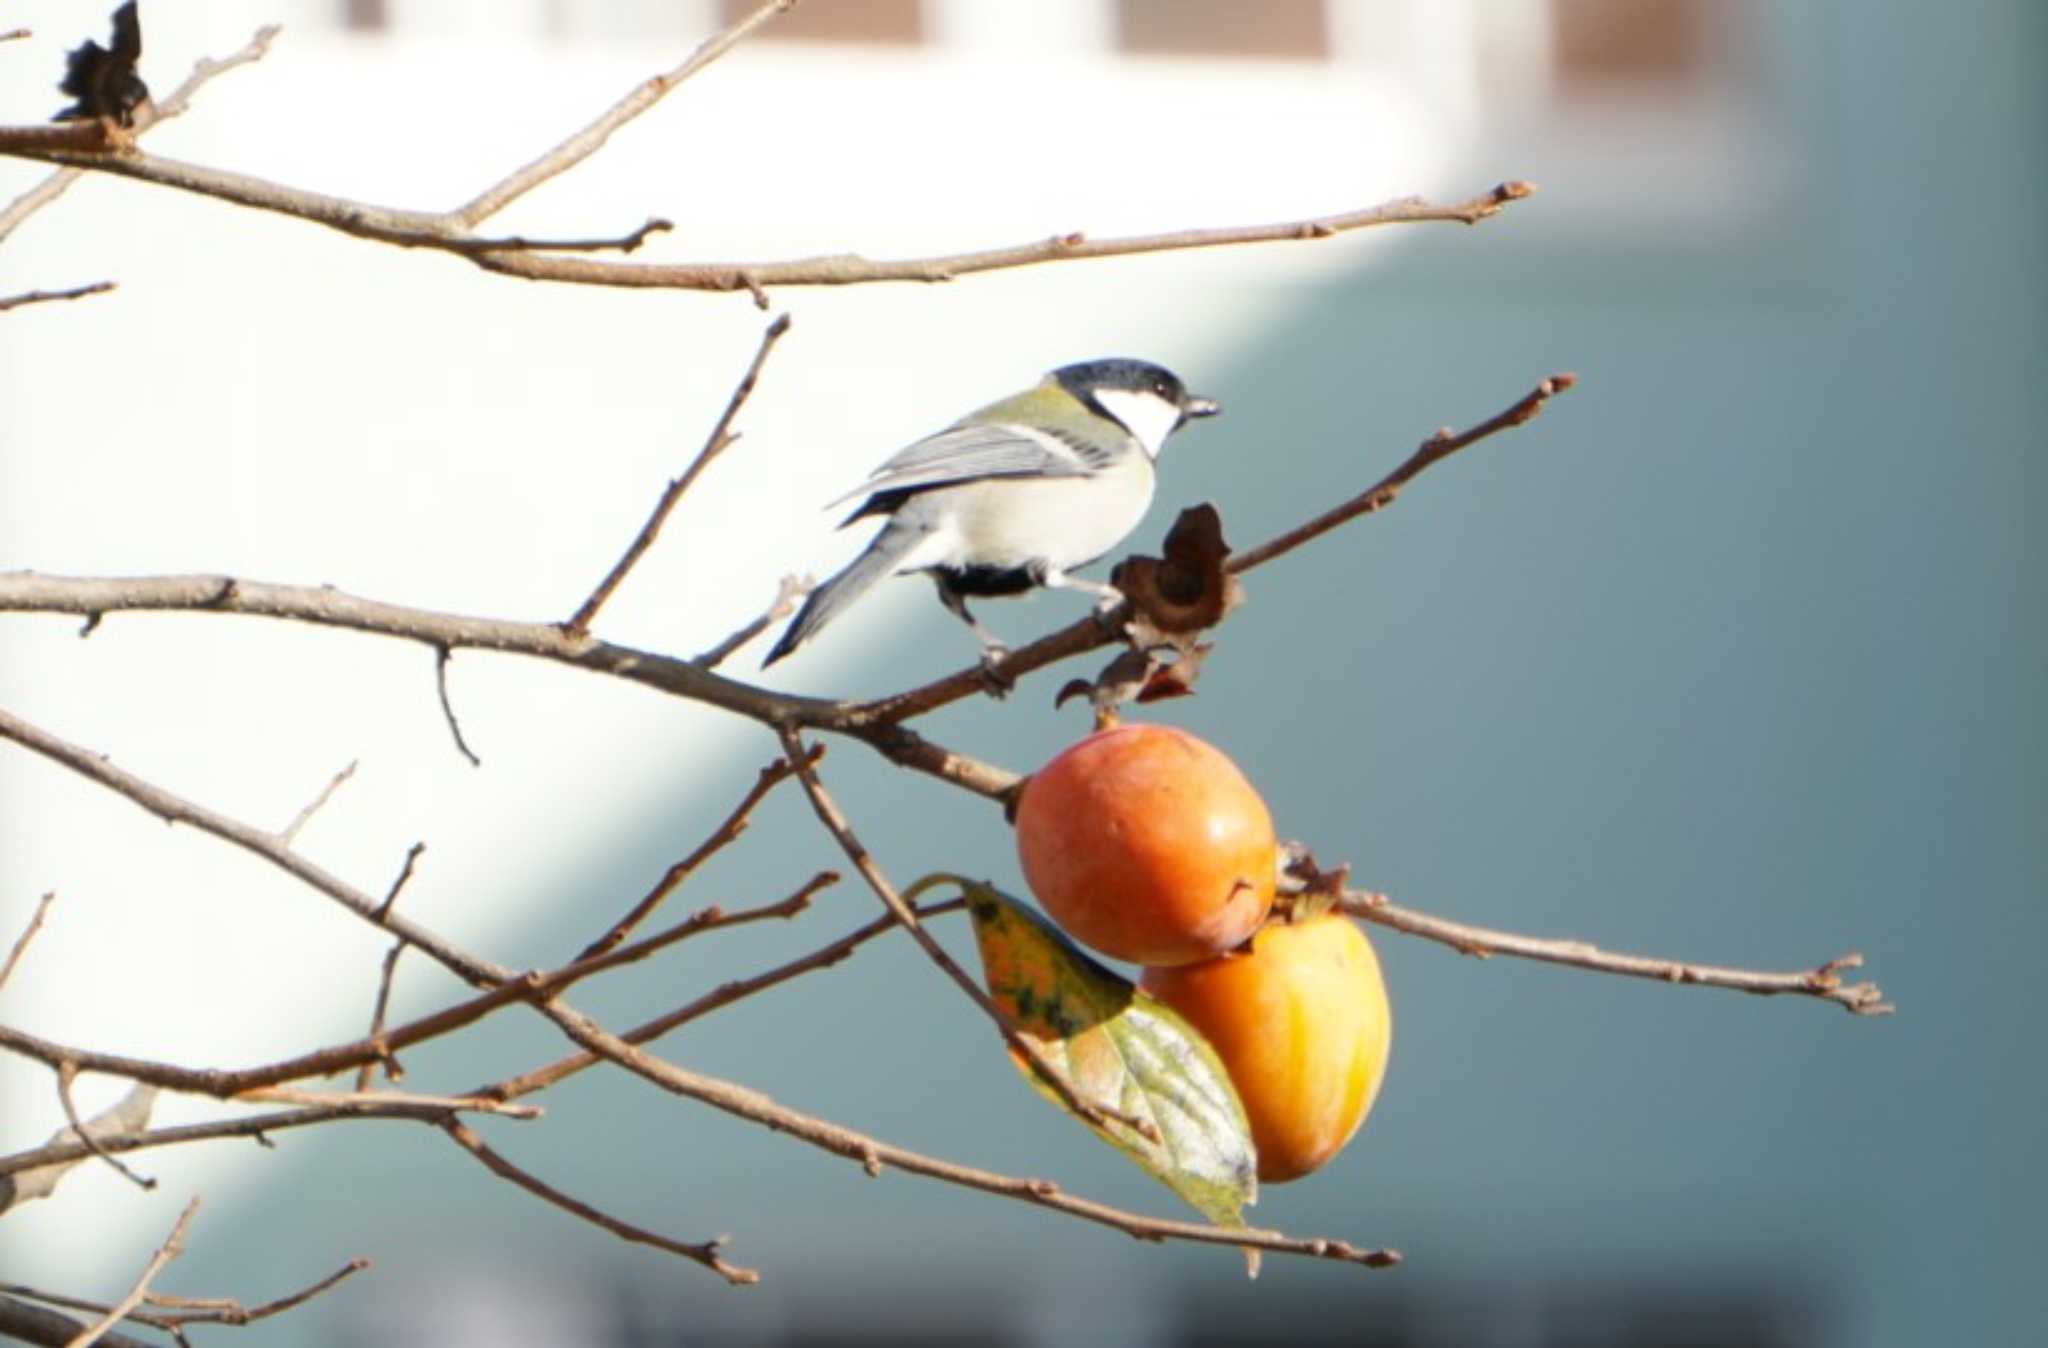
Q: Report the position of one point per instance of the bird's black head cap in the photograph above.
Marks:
(1125, 374)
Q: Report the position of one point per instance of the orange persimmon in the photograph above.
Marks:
(1148, 845)
(1302, 1024)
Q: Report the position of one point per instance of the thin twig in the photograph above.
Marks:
(46, 296)
(67, 1072)
(1381, 494)
(227, 1311)
(255, 1127)
(54, 186)
(442, 654)
(842, 269)
(724, 995)
(172, 1313)
(728, 831)
(299, 821)
(15, 34)
(229, 1084)
(175, 809)
(28, 933)
(378, 1009)
(787, 591)
(393, 1071)
(1824, 983)
(591, 138)
(715, 444)
(129, 1114)
(173, 1246)
(450, 1104)
(705, 1253)
(398, 883)
(836, 824)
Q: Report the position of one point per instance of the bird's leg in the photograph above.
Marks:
(1108, 598)
(992, 649)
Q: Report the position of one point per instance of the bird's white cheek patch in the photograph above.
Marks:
(1146, 415)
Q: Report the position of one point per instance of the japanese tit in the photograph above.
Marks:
(1016, 495)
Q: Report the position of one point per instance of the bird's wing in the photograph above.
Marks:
(965, 453)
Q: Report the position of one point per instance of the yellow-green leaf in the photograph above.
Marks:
(1122, 1052)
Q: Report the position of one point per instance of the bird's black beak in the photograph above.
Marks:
(1201, 407)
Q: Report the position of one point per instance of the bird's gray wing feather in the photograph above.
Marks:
(965, 453)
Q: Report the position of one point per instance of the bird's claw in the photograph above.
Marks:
(993, 680)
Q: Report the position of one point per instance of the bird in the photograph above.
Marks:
(1015, 496)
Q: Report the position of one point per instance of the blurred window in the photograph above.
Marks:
(1295, 29)
(1604, 42)
(839, 20)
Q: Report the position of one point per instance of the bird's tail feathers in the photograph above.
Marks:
(883, 557)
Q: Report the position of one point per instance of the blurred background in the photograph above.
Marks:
(1735, 655)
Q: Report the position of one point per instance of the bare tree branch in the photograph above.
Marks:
(724, 995)
(787, 592)
(628, 242)
(382, 1004)
(175, 809)
(873, 1154)
(591, 138)
(256, 1127)
(26, 591)
(715, 444)
(727, 832)
(247, 1083)
(303, 817)
(1824, 983)
(442, 654)
(180, 99)
(67, 1072)
(227, 1311)
(48, 296)
(28, 933)
(84, 145)
(27, 1182)
(172, 1314)
(449, 1105)
(841, 269)
(705, 1253)
(1381, 494)
(173, 1246)
(249, 1086)
(721, 1094)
